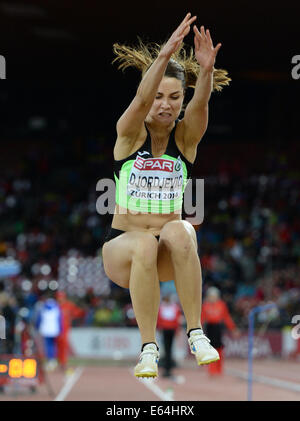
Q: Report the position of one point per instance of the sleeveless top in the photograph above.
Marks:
(153, 185)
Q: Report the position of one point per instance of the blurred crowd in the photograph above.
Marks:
(249, 241)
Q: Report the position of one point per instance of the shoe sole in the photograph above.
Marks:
(147, 375)
(207, 362)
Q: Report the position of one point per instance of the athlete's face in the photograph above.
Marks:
(168, 101)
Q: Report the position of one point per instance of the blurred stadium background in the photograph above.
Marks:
(59, 105)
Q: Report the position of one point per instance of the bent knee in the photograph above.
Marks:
(179, 236)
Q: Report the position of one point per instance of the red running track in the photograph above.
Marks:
(275, 380)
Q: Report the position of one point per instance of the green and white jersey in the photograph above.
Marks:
(148, 184)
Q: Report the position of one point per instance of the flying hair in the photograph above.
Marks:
(182, 61)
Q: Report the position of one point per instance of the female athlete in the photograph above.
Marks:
(154, 153)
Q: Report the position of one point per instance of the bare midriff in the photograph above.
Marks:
(127, 220)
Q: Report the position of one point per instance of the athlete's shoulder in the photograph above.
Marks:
(125, 147)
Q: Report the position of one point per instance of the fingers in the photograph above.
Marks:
(184, 30)
(190, 21)
(197, 43)
(186, 18)
(217, 48)
(187, 21)
(205, 37)
(208, 36)
(198, 36)
(201, 36)
(202, 31)
(178, 35)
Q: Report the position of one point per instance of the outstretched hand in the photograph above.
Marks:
(178, 35)
(205, 52)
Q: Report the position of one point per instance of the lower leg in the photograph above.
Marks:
(188, 281)
(145, 296)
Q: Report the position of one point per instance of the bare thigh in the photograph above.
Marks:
(117, 255)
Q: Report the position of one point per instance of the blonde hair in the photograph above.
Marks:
(142, 56)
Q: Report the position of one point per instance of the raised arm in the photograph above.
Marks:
(196, 113)
(130, 123)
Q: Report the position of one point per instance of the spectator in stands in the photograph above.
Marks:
(42, 218)
(4, 296)
(8, 311)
